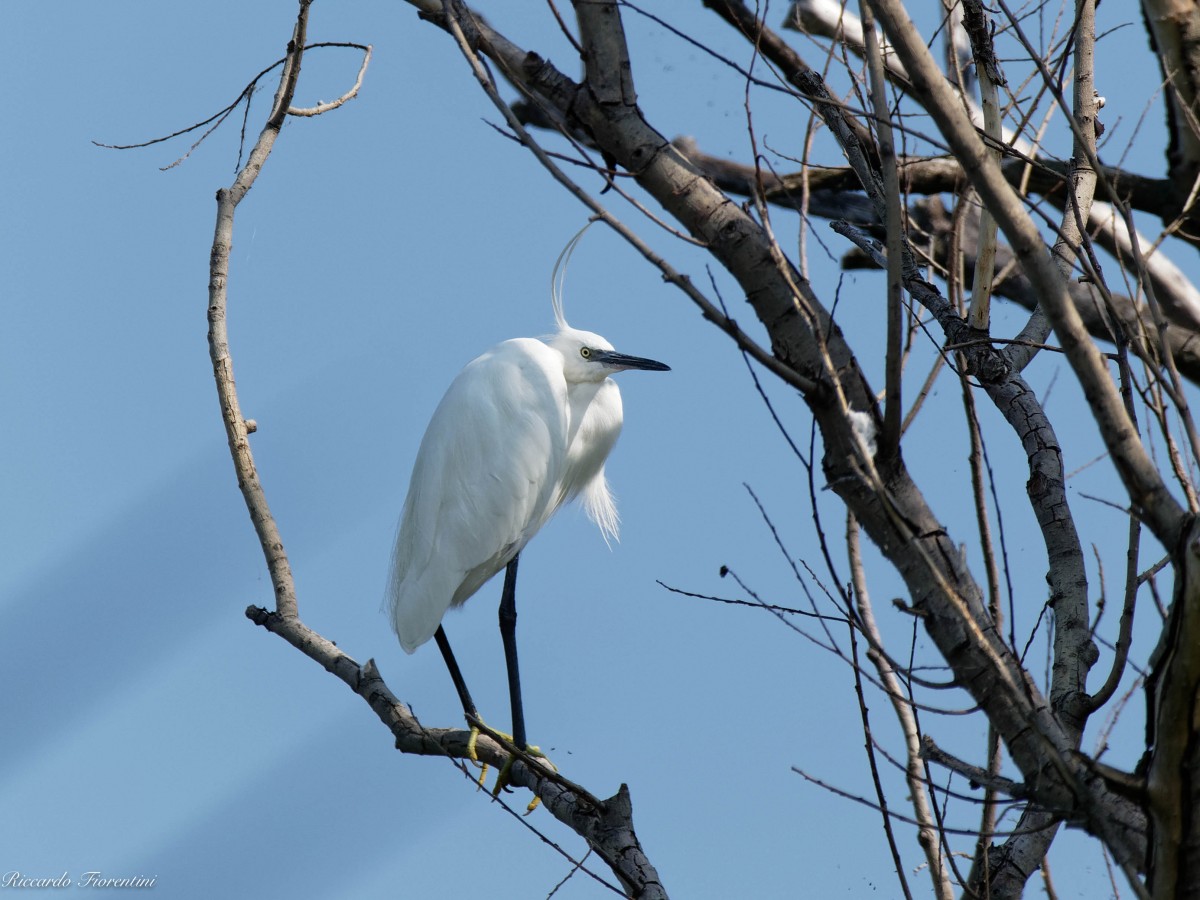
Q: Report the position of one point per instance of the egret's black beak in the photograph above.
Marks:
(622, 361)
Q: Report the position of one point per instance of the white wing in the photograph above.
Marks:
(487, 477)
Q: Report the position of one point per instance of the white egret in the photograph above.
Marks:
(523, 429)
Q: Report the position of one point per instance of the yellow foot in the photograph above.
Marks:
(472, 740)
(502, 778)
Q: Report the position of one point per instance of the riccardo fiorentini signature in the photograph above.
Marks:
(93, 879)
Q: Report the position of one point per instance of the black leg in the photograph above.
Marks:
(508, 634)
(464, 695)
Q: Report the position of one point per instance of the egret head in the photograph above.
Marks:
(587, 357)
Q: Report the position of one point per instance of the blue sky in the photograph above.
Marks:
(151, 730)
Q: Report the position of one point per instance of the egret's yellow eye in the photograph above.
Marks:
(585, 352)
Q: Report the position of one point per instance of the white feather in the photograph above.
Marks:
(523, 429)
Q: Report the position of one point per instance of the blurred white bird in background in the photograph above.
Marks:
(522, 429)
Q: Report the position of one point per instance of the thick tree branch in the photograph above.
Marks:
(1174, 30)
(1175, 200)
(1173, 735)
(1146, 488)
(833, 195)
(932, 218)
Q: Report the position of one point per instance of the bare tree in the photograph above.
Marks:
(930, 162)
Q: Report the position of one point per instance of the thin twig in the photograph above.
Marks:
(349, 95)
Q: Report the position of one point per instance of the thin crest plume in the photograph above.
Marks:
(558, 277)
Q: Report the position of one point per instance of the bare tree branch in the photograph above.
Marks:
(1146, 487)
(218, 335)
(914, 772)
(1174, 30)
